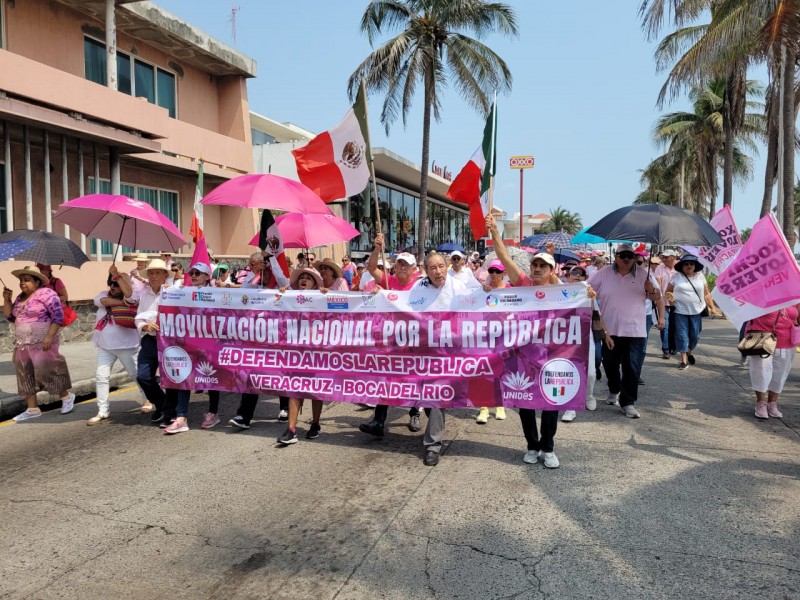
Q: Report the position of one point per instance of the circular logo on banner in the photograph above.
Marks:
(492, 301)
(177, 364)
(559, 381)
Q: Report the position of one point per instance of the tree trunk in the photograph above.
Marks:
(788, 147)
(422, 224)
(727, 119)
(772, 154)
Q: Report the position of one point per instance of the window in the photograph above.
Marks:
(2, 24)
(134, 77)
(3, 207)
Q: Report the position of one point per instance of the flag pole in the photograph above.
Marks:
(371, 161)
(492, 158)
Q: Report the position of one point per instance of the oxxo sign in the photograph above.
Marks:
(521, 162)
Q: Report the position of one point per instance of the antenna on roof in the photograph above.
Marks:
(232, 20)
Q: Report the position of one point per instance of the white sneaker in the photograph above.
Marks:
(551, 460)
(483, 416)
(630, 411)
(531, 457)
(28, 414)
(612, 399)
(569, 416)
(591, 403)
(68, 404)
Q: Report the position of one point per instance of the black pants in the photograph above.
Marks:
(247, 406)
(146, 372)
(382, 410)
(627, 357)
(546, 442)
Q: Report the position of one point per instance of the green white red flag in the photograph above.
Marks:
(335, 163)
(196, 230)
(471, 186)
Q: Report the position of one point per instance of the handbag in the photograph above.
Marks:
(123, 315)
(705, 312)
(760, 343)
(70, 316)
(795, 335)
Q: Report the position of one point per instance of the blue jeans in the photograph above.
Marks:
(668, 333)
(687, 331)
(147, 365)
(627, 356)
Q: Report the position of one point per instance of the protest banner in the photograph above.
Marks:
(716, 258)
(525, 347)
(763, 277)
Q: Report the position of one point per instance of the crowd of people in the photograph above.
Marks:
(630, 293)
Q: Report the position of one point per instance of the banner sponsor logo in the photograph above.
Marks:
(226, 299)
(301, 300)
(560, 381)
(202, 296)
(517, 383)
(492, 301)
(177, 364)
(337, 302)
(245, 300)
(207, 372)
(171, 294)
(392, 296)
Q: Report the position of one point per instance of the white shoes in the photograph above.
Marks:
(550, 459)
(612, 399)
(30, 413)
(531, 457)
(68, 404)
(569, 416)
(483, 416)
(591, 403)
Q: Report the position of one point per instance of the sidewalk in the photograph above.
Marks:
(82, 361)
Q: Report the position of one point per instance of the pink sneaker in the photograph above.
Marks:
(761, 410)
(209, 420)
(177, 426)
(772, 410)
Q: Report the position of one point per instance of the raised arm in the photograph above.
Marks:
(512, 270)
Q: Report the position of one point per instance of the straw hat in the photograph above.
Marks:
(327, 262)
(157, 265)
(296, 275)
(33, 272)
(141, 258)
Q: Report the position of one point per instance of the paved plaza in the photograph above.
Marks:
(696, 499)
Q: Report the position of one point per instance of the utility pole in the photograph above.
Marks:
(232, 20)
(521, 163)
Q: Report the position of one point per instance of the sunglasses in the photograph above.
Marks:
(195, 273)
(626, 255)
(495, 271)
(456, 258)
(174, 270)
(577, 272)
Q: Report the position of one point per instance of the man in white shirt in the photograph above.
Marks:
(663, 274)
(460, 272)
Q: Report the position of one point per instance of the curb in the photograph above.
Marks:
(13, 405)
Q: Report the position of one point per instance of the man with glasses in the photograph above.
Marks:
(621, 292)
(458, 271)
(404, 279)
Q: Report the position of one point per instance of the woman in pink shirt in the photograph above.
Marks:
(331, 274)
(768, 375)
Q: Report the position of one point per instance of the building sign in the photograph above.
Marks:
(521, 162)
(442, 172)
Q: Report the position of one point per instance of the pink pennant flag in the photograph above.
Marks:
(200, 256)
(716, 258)
(762, 278)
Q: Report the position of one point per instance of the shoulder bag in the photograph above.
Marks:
(760, 343)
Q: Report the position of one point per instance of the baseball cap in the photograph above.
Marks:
(624, 248)
(669, 253)
(361, 266)
(496, 264)
(407, 257)
(202, 267)
(455, 253)
(548, 258)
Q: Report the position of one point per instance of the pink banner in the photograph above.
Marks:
(525, 347)
(763, 277)
(716, 258)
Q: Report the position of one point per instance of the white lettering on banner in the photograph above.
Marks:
(243, 329)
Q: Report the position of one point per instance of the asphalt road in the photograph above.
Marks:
(696, 499)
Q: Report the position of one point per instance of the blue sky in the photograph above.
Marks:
(583, 98)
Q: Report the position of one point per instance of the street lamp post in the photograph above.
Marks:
(521, 163)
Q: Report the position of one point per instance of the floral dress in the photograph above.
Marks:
(38, 368)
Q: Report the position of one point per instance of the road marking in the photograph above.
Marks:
(119, 391)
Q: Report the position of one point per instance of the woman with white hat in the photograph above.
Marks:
(37, 314)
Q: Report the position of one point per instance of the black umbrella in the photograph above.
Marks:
(656, 224)
(50, 249)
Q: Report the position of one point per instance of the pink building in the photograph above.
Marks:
(125, 94)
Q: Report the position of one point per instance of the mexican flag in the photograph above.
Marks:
(471, 185)
(334, 164)
(196, 230)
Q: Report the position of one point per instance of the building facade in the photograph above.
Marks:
(120, 97)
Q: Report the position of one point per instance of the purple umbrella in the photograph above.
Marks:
(122, 220)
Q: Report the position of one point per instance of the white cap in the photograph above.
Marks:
(202, 267)
(456, 253)
(408, 258)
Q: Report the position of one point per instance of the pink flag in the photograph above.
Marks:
(719, 256)
(200, 256)
(762, 278)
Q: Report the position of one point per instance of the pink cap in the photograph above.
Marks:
(496, 264)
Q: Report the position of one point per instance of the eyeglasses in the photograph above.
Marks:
(625, 255)
(577, 273)
(495, 271)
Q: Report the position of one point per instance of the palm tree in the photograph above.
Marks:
(432, 47)
(562, 220)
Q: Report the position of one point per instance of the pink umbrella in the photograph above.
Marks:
(301, 230)
(122, 220)
(261, 190)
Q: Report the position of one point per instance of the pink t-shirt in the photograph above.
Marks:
(783, 327)
(621, 300)
(391, 282)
